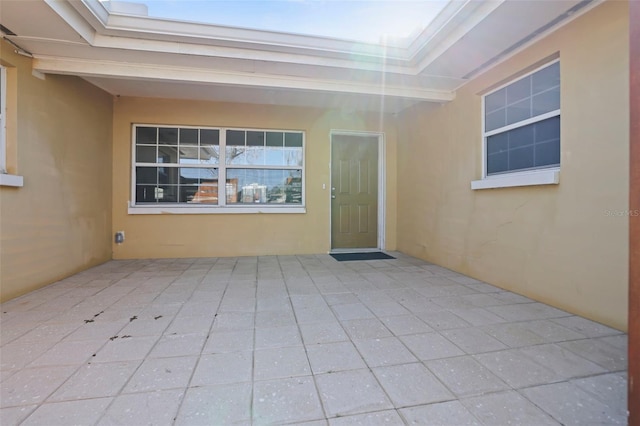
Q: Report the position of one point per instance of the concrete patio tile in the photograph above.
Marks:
(570, 405)
(552, 332)
(517, 369)
(87, 411)
(379, 418)
(32, 385)
(507, 408)
(384, 351)
(473, 340)
(441, 414)
(585, 327)
(190, 325)
(122, 348)
(352, 311)
(411, 384)
(322, 332)
(429, 346)
(465, 376)
(266, 319)
(96, 381)
(227, 321)
(442, 320)
(216, 405)
(332, 357)
(527, 312)
(278, 363)
(158, 407)
(14, 415)
(223, 368)
(561, 361)
(599, 351)
(365, 328)
(281, 401)
(277, 337)
(161, 373)
(514, 334)
(351, 392)
(170, 345)
(405, 324)
(229, 341)
(387, 309)
(69, 353)
(610, 389)
(478, 316)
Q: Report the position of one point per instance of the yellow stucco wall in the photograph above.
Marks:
(218, 235)
(59, 140)
(556, 243)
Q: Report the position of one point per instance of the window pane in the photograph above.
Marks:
(547, 129)
(189, 154)
(168, 175)
(205, 194)
(548, 153)
(519, 90)
(235, 155)
(146, 154)
(498, 162)
(235, 137)
(255, 138)
(519, 111)
(261, 186)
(495, 101)
(210, 154)
(168, 136)
(274, 156)
(191, 175)
(496, 119)
(167, 154)
(293, 157)
(209, 137)
(167, 193)
(188, 136)
(522, 136)
(146, 135)
(293, 140)
(546, 78)
(275, 139)
(521, 158)
(497, 143)
(146, 175)
(546, 101)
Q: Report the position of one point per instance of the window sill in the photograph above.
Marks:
(539, 177)
(11, 180)
(214, 210)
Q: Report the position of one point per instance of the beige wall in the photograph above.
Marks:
(553, 243)
(59, 140)
(217, 235)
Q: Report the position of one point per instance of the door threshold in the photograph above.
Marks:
(354, 250)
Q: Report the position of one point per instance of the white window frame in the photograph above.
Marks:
(221, 207)
(545, 175)
(6, 179)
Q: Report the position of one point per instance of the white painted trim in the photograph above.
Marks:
(215, 210)
(3, 119)
(11, 180)
(99, 68)
(508, 180)
(382, 193)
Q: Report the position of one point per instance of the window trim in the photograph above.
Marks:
(6, 179)
(222, 167)
(545, 175)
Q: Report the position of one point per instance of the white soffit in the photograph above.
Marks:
(80, 37)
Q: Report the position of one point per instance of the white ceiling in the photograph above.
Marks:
(131, 55)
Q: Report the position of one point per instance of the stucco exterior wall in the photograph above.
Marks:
(564, 244)
(59, 140)
(232, 234)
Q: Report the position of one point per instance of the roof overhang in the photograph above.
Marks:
(190, 60)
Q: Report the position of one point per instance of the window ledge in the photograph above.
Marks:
(539, 177)
(214, 210)
(11, 180)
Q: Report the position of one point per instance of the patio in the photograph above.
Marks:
(300, 340)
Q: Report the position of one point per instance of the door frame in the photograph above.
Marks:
(382, 194)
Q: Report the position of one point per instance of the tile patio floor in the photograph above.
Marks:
(300, 339)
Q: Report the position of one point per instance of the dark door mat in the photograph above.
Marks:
(375, 255)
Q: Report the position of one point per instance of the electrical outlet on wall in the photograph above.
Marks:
(119, 237)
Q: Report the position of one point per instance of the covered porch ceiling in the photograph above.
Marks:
(130, 54)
